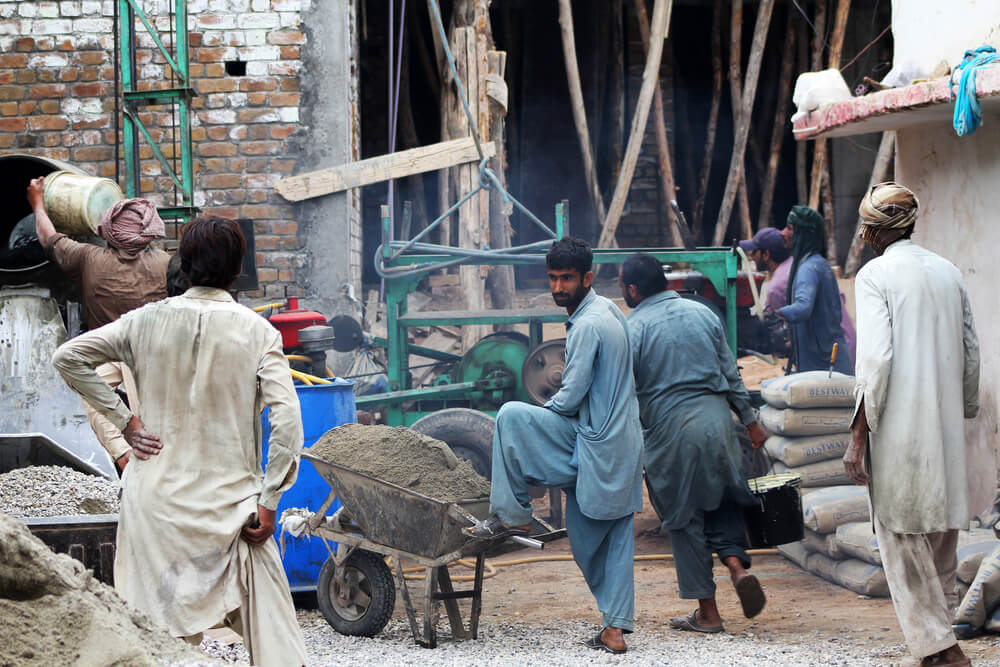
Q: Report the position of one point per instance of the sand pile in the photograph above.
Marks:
(56, 491)
(53, 612)
(403, 457)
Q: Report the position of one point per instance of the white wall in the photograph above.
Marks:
(926, 32)
(957, 180)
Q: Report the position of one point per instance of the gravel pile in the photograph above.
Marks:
(55, 491)
(559, 643)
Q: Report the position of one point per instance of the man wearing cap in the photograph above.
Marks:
(767, 249)
(113, 280)
(917, 378)
(814, 307)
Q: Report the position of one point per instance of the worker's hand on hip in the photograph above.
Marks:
(36, 195)
(854, 457)
(258, 532)
(757, 434)
(143, 443)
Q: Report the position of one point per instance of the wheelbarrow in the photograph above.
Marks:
(356, 592)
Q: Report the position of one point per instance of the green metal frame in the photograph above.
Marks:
(719, 265)
(133, 100)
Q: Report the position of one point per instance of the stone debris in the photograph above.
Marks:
(56, 491)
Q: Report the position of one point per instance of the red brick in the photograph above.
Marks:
(100, 122)
(89, 74)
(211, 54)
(235, 196)
(6, 76)
(49, 106)
(257, 99)
(44, 44)
(93, 153)
(25, 108)
(290, 243)
(267, 275)
(216, 149)
(258, 196)
(282, 165)
(69, 74)
(282, 132)
(289, 83)
(13, 60)
(237, 164)
(8, 108)
(48, 90)
(91, 57)
(219, 181)
(196, 70)
(47, 123)
(284, 99)
(261, 211)
(213, 70)
(265, 242)
(205, 86)
(95, 89)
(251, 85)
(231, 212)
(286, 275)
(285, 227)
(7, 140)
(289, 53)
(215, 164)
(238, 133)
(46, 75)
(215, 133)
(286, 37)
(194, 39)
(260, 147)
(66, 45)
(24, 44)
(257, 132)
(198, 134)
(12, 124)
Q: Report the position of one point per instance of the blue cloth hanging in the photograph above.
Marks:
(967, 112)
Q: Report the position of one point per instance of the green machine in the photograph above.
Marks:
(459, 407)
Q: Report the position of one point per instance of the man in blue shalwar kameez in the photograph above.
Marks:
(585, 440)
(687, 383)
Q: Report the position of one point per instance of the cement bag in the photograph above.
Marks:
(993, 622)
(795, 552)
(825, 509)
(806, 421)
(970, 557)
(824, 473)
(812, 389)
(801, 451)
(817, 89)
(856, 540)
(858, 576)
(823, 544)
(984, 594)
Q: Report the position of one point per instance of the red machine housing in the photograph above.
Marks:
(290, 321)
(693, 282)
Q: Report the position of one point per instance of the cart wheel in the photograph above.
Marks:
(468, 432)
(363, 603)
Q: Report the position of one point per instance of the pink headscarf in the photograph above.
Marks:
(130, 225)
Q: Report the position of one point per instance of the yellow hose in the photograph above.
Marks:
(492, 568)
(308, 379)
(261, 309)
(302, 357)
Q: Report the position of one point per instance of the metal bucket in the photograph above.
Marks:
(776, 519)
(75, 202)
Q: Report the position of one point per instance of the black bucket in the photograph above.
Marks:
(777, 517)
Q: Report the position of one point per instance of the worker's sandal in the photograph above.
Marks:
(492, 528)
(598, 644)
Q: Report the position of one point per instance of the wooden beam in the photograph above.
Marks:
(880, 173)
(779, 131)
(746, 110)
(577, 106)
(381, 168)
(650, 76)
(713, 117)
(735, 102)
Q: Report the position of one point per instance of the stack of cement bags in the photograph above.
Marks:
(810, 416)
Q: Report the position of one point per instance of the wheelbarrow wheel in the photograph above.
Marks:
(468, 432)
(360, 602)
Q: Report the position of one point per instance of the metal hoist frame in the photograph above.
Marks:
(178, 98)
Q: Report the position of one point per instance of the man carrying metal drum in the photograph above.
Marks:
(687, 383)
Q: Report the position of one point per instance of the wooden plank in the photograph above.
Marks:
(381, 168)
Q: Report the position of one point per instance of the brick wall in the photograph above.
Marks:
(57, 99)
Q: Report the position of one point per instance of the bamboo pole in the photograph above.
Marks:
(736, 97)
(880, 173)
(740, 141)
(713, 115)
(650, 75)
(779, 129)
(802, 147)
(577, 106)
(662, 144)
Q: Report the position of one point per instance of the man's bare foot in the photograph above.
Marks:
(707, 613)
(735, 567)
(614, 638)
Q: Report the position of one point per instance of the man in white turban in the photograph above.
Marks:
(917, 378)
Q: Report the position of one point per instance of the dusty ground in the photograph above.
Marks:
(802, 609)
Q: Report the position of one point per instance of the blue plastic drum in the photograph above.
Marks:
(323, 407)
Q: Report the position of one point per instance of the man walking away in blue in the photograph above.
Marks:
(687, 383)
(586, 440)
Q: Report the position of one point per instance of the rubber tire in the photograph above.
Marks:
(383, 595)
(468, 432)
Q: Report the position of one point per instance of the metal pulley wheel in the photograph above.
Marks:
(347, 332)
(542, 372)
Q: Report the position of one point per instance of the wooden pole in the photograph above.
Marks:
(778, 132)
(650, 76)
(713, 115)
(880, 173)
(662, 145)
(821, 167)
(735, 97)
(616, 149)
(746, 110)
(802, 147)
(577, 107)
(501, 282)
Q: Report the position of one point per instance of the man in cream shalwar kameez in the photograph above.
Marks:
(917, 378)
(204, 366)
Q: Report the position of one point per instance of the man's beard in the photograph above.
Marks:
(629, 301)
(570, 299)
